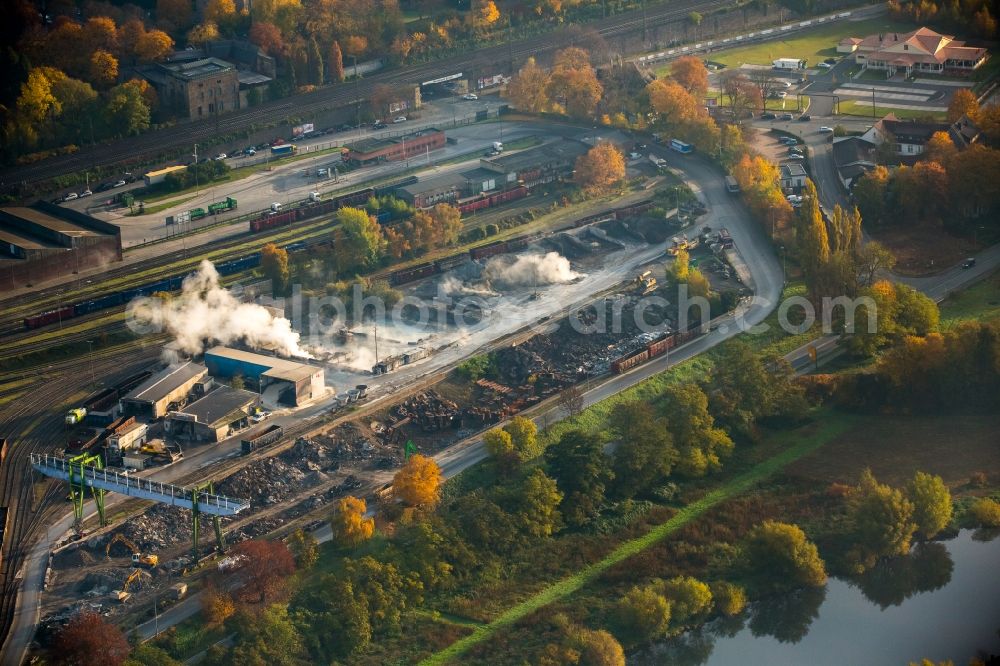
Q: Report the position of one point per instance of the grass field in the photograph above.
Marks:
(811, 45)
(852, 108)
(832, 426)
(894, 447)
(980, 302)
(790, 103)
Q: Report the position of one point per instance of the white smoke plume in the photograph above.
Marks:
(452, 286)
(529, 270)
(206, 314)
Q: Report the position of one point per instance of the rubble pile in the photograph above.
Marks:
(427, 410)
(263, 482)
(347, 441)
(255, 529)
(157, 528)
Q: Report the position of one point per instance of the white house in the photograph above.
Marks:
(922, 50)
(793, 176)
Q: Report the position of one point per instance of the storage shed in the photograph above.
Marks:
(164, 391)
(296, 382)
(214, 417)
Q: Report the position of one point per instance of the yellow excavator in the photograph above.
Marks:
(123, 594)
(150, 560)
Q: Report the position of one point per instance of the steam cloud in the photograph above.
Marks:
(530, 269)
(205, 313)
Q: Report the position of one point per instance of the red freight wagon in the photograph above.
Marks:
(50, 317)
(411, 274)
(498, 247)
(624, 364)
(659, 346)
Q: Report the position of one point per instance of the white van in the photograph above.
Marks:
(275, 207)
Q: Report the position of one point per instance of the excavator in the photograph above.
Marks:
(150, 560)
(123, 594)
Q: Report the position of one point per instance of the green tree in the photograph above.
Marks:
(268, 637)
(700, 444)
(644, 453)
(881, 520)
(332, 618)
(358, 241)
(538, 504)
(642, 614)
(581, 469)
(274, 263)
(305, 549)
(745, 388)
(127, 110)
(690, 600)
(524, 437)
(917, 313)
(813, 240)
(778, 557)
(148, 655)
(931, 504)
(681, 267)
(383, 589)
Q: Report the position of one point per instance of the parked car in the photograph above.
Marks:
(767, 116)
(344, 128)
(104, 187)
(399, 119)
(786, 116)
(824, 65)
(789, 140)
(805, 117)
(640, 146)
(85, 193)
(831, 61)
(825, 130)
(120, 183)
(634, 156)
(251, 152)
(221, 156)
(379, 125)
(470, 96)
(796, 156)
(275, 207)
(969, 263)
(70, 196)
(795, 151)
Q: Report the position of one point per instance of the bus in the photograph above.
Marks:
(680, 146)
(283, 149)
(732, 186)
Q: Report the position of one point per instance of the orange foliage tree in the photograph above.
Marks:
(217, 605)
(573, 83)
(691, 73)
(528, 89)
(419, 482)
(262, 568)
(600, 168)
(90, 641)
(350, 527)
(963, 102)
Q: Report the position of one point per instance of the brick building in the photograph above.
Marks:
(368, 151)
(198, 89)
(44, 241)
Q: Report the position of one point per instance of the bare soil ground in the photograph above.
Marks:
(921, 251)
(894, 447)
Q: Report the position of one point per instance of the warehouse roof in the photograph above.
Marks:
(441, 183)
(566, 150)
(219, 404)
(278, 368)
(166, 381)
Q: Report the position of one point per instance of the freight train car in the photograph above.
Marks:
(626, 363)
(414, 273)
(498, 247)
(50, 317)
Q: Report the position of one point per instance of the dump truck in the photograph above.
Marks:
(222, 206)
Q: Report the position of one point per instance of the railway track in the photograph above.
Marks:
(33, 424)
(159, 145)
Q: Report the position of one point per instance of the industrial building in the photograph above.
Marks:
(543, 164)
(369, 151)
(199, 88)
(127, 437)
(214, 417)
(427, 192)
(165, 391)
(44, 241)
(286, 381)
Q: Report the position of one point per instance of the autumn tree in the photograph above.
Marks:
(644, 453)
(333, 618)
(729, 599)
(153, 45)
(89, 641)
(447, 224)
(528, 88)
(127, 110)
(600, 168)
(268, 37)
(582, 470)
(642, 615)
(813, 240)
(220, 12)
(690, 600)
(500, 445)
(274, 263)
(149, 655)
(671, 101)
(881, 519)
(266, 637)
(599, 648)
(571, 400)
(335, 63)
(779, 557)
(418, 483)
(986, 512)
(743, 95)
(871, 193)
(262, 567)
(484, 14)
(963, 103)
(690, 72)
(103, 68)
(931, 504)
(573, 83)
(174, 15)
(203, 33)
(305, 549)
(940, 148)
(349, 524)
(217, 605)
(358, 240)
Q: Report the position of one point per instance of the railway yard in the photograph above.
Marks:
(536, 288)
